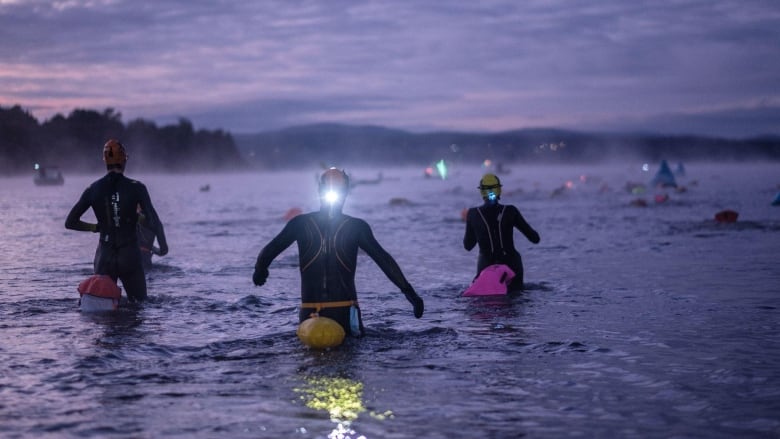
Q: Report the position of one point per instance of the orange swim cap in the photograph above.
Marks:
(114, 153)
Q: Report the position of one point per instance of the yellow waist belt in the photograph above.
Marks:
(320, 305)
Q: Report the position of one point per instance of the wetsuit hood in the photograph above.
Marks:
(333, 189)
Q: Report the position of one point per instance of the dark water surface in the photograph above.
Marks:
(638, 321)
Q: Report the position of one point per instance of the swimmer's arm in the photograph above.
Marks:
(284, 239)
(74, 222)
(386, 263)
(470, 238)
(371, 246)
(151, 220)
(522, 225)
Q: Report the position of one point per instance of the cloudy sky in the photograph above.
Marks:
(674, 66)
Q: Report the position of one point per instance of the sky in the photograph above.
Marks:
(669, 66)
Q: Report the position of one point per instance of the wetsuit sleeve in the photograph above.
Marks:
(73, 221)
(284, 239)
(152, 220)
(523, 226)
(386, 263)
(470, 238)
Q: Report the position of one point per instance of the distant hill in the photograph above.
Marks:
(349, 145)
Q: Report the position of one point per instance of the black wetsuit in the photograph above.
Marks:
(327, 254)
(490, 226)
(114, 199)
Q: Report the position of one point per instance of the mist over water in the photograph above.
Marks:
(650, 321)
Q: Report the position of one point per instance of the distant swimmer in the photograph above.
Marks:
(114, 199)
(328, 243)
(491, 226)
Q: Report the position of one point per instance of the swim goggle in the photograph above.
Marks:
(490, 192)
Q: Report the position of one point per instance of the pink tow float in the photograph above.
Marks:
(493, 280)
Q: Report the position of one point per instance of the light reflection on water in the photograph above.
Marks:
(637, 321)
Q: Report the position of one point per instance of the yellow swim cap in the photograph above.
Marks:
(489, 183)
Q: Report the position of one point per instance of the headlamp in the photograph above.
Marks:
(331, 196)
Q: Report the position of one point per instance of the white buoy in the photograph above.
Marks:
(90, 303)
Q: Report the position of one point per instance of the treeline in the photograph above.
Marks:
(74, 143)
(334, 143)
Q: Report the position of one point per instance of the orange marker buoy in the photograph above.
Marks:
(292, 213)
(726, 216)
(99, 293)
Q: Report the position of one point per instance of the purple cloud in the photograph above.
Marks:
(489, 65)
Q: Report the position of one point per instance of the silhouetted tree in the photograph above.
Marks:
(19, 143)
(74, 142)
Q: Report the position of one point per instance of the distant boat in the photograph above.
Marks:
(48, 176)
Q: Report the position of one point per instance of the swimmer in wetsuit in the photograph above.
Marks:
(114, 199)
(328, 243)
(490, 226)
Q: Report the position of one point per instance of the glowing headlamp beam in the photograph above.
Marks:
(331, 196)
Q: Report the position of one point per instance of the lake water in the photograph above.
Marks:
(648, 321)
